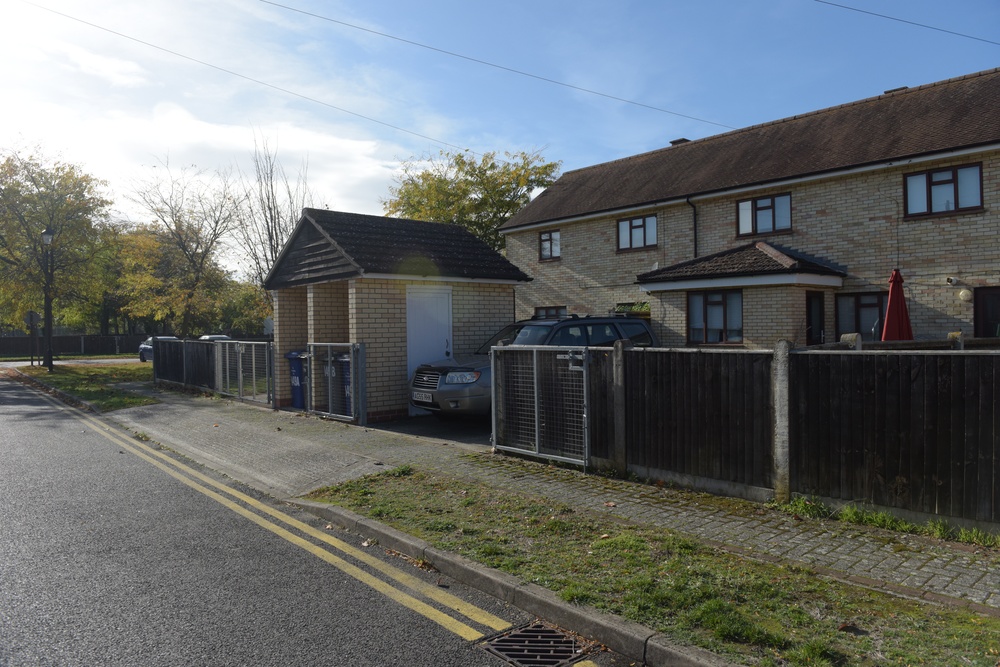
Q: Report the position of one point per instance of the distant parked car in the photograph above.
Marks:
(146, 347)
(463, 386)
(214, 337)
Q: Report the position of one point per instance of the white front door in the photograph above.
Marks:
(428, 327)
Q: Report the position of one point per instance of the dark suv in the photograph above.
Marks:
(462, 386)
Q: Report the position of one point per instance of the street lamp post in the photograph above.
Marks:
(47, 242)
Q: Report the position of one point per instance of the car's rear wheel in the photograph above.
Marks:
(142, 357)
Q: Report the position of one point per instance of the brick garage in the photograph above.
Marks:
(345, 277)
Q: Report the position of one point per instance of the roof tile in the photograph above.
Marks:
(958, 113)
(753, 259)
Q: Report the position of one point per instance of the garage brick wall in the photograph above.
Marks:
(378, 318)
(291, 332)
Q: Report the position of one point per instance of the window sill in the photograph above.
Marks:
(546, 260)
(625, 251)
(780, 232)
(943, 214)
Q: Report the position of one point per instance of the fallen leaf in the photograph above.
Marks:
(611, 503)
(605, 536)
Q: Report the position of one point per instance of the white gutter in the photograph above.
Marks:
(768, 280)
(754, 188)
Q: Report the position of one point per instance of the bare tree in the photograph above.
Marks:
(271, 207)
(196, 210)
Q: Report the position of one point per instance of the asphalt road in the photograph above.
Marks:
(113, 553)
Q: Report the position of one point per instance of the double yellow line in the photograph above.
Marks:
(269, 518)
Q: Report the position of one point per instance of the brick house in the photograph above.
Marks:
(411, 291)
(786, 230)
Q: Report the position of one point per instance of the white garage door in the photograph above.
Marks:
(428, 326)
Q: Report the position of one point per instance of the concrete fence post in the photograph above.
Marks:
(780, 398)
(852, 340)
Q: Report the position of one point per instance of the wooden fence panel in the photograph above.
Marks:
(916, 431)
(701, 414)
(601, 414)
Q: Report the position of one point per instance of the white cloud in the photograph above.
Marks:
(115, 71)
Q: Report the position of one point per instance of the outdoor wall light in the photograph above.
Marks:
(951, 280)
(965, 295)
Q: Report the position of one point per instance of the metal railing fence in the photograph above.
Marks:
(237, 368)
(245, 370)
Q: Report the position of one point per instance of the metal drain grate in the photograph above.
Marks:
(538, 645)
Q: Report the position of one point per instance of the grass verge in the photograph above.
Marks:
(752, 612)
(93, 384)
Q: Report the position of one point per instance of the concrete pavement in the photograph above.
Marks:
(286, 454)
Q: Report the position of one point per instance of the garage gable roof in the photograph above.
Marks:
(939, 117)
(333, 245)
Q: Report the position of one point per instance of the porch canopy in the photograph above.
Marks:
(753, 265)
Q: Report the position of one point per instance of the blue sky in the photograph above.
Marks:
(113, 85)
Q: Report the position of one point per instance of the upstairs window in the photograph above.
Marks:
(944, 190)
(764, 215)
(637, 233)
(548, 246)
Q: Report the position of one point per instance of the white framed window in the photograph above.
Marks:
(944, 190)
(637, 233)
(764, 215)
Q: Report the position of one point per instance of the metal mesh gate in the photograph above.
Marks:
(540, 401)
(245, 370)
(336, 380)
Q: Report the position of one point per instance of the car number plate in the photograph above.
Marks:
(422, 396)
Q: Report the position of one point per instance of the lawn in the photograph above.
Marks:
(95, 383)
(750, 611)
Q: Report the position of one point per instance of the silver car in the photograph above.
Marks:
(463, 385)
(146, 347)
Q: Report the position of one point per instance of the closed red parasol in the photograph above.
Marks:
(897, 318)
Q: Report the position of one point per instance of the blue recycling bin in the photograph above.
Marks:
(297, 370)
